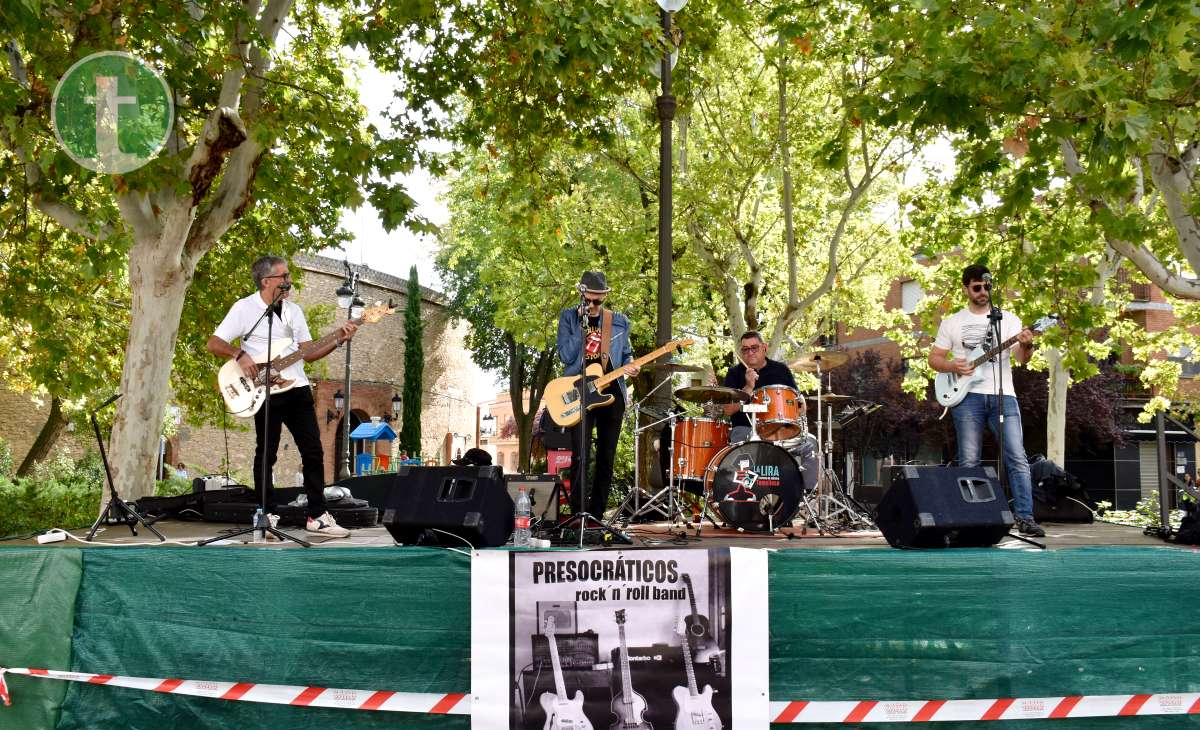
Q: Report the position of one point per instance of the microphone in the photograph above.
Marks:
(987, 281)
(108, 402)
(285, 287)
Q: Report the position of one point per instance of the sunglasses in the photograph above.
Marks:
(593, 302)
(752, 348)
(977, 288)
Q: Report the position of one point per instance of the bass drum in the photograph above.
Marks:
(755, 485)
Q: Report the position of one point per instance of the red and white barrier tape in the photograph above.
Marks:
(1025, 708)
(275, 694)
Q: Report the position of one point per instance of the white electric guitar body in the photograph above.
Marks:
(244, 394)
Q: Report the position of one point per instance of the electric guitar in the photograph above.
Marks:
(695, 707)
(245, 395)
(562, 394)
(698, 629)
(562, 712)
(950, 388)
(629, 707)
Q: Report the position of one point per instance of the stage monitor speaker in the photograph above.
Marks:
(469, 502)
(944, 506)
(540, 488)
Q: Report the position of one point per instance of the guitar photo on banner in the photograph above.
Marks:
(619, 640)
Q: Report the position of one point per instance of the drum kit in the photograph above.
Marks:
(781, 471)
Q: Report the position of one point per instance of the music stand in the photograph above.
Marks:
(264, 375)
(116, 511)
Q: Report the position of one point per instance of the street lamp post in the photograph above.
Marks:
(347, 296)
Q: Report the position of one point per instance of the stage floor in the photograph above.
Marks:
(1058, 536)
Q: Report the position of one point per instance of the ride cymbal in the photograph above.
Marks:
(676, 367)
(827, 358)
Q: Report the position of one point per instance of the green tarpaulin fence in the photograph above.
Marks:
(845, 625)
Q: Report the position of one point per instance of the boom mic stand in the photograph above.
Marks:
(996, 317)
(265, 374)
(116, 511)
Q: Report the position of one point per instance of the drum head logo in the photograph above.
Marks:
(744, 478)
(112, 113)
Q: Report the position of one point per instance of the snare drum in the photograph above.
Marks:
(785, 408)
(697, 441)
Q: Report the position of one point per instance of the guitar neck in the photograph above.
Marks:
(618, 372)
(995, 351)
(626, 683)
(693, 690)
(280, 363)
(559, 687)
(687, 580)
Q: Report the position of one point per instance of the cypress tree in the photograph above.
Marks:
(414, 365)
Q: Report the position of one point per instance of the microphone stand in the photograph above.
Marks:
(116, 511)
(995, 316)
(582, 389)
(264, 375)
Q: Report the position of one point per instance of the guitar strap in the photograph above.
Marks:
(606, 318)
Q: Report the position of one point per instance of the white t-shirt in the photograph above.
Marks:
(963, 331)
(292, 326)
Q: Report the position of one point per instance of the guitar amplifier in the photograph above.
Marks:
(575, 651)
(540, 488)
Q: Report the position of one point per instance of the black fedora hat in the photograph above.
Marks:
(594, 282)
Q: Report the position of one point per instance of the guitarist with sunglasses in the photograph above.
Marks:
(959, 334)
(588, 334)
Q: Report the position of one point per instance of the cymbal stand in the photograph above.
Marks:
(832, 504)
(636, 492)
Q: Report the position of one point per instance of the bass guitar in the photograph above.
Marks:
(562, 712)
(562, 394)
(695, 708)
(245, 395)
(950, 388)
(698, 629)
(629, 707)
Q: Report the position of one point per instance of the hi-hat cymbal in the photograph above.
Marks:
(712, 394)
(827, 358)
(829, 398)
(676, 367)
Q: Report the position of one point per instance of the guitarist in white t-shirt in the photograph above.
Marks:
(958, 335)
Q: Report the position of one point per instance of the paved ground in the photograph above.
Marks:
(1057, 536)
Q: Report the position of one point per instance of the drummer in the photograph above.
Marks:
(754, 370)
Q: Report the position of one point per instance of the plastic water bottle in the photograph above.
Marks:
(260, 520)
(522, 537)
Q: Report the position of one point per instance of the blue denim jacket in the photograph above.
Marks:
(570, 344)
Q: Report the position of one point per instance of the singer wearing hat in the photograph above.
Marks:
(293, 408)
(587, 334)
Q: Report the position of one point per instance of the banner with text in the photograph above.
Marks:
(640, 637)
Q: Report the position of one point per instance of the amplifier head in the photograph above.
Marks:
(564, 613)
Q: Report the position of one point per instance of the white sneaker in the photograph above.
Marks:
(325, 525)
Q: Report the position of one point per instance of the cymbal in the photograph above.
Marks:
(828, 359)
(829, 398)
(712, 394)
(676, 367)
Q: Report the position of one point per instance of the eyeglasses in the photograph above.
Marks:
(752, 348)
(593, 302)
(977, 288)
(285, 277)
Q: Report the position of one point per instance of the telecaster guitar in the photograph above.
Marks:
(562, 712)
(562, 394)
(244, 395)
(951, 388)
(695, 708)
(629, 707)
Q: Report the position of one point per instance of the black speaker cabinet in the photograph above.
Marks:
(469, 502)
(944, 506)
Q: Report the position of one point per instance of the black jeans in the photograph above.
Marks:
(295, 409)
(605, 422)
